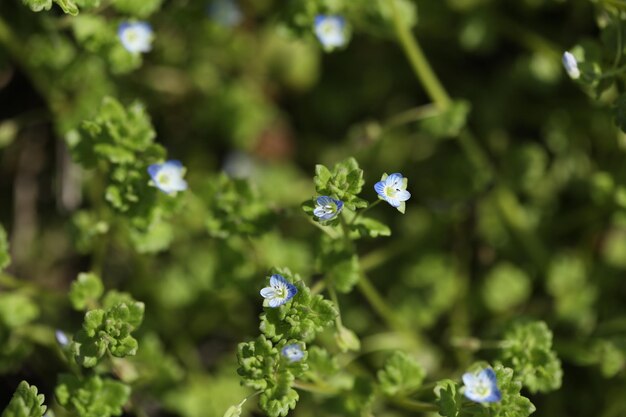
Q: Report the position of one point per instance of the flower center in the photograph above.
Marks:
(132, 35)
(328, 28)
(280, 291)
(163, 179)
(391, 192)
(482, 389)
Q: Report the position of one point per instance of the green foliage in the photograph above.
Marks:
(17, 309)
(301, 318)
(449, 398)
(5, 259)
(263, 368)
(341, 265)
(505, 287)
(401, 374)
(568, 284)
(108, 329)
(86, 291)
(366, 226)
(92, 396)
(343, 183)
(528, 350)
(26, 402)
(513, 404)
(235, 207)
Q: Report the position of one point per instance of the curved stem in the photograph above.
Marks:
(356, 216)
(418, 61)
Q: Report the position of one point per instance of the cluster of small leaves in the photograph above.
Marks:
(235, 207)
(26, 402)
(136, 8)
(452, 403)
(104, 329)
(344, 183)
(262, 367)
(92, 396)
(400, 375)
(528, 350)
(119, 144)
(301, 318)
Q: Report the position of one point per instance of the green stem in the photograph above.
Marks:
(335, 300)
(418, 61)
(379, 305)
(413, 405)
(315, 388)
(356, 216)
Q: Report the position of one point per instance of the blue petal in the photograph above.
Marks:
(122, 28)
(267, 292)
(319, 19)
(154, 169)
(145, 26)
(324, 200)
(468, 379)
(276, 302)
(339, 204)
(380, 188)
(495, 396)
(489, 374)
(291, 291)
(403, 195)
(174, 163)
(394, 179)
(277, 279)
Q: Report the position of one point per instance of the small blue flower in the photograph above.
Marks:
(327, 208)
(168, 176)
(331, 31)
(293, 352)
(571, 65)
(226, 12)
(136, 37)
(392, 189)
(279, 292)
(61, 337)
(482, 387)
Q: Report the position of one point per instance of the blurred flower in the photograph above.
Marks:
(225, 12)
(482, 387)
(279, 292)
(168, 176)
(136, 36)
(571, 65)
(238, 164)
(293, 352)
(331, 31)
(61, 338)
(392, 189)
(327, 208)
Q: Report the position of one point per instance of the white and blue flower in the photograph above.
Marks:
(136, 37)
(571, 65)
(292, 352)
(327, 208)
(482, 387)
(168, 176)
(62, 338)
(279, 292)
(392, 189)
(226, 12)
(330, 31)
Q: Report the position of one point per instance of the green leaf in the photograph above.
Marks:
(449, 398)
(528, 349)
(256, 362)
(366, 226)
(68, 6)
(86, 291)
(513, 404)
(401, 375)
(5, 259)
(342, 269)
(17, 310)
(321, 362)
(448, 123)
(38, 5)
(505, 287)
(137, 8)
(108, 329)
(279, 397)
(26, 402)
(92, 396)
(347, 340)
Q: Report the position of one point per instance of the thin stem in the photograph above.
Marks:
(315, 388)
(413, 405)
(335, 300)
(379, 305)
(356, 216)
(418, 61)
